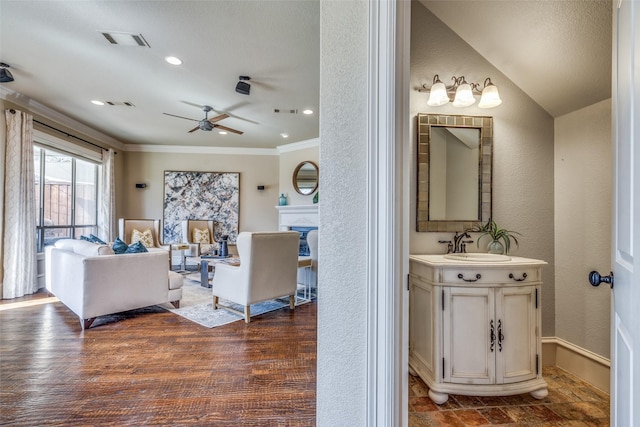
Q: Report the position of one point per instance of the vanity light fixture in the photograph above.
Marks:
(463, 92)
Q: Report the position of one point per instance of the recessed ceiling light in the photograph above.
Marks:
(284, 135)
(222, 132)
(307, 111)
(173, 60)
(96, 102)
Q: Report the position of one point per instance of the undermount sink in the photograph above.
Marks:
(478, 257)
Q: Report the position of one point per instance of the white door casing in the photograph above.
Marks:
(625, 334)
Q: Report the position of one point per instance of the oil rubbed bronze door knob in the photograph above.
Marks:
(595, 279)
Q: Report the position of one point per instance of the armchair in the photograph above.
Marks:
(126, 229)
(267, 270)
(198, 246)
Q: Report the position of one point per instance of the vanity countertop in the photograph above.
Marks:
(474, 259)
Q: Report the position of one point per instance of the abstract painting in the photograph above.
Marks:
(201, 195)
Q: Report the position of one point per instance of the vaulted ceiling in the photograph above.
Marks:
(557, 52)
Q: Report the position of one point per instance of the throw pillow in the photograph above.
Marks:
(96, 239)
(86, 239)
(136, 248)
(201, 236)
(119, 247)
(142, 236)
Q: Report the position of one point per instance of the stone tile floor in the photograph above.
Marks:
(571, 402)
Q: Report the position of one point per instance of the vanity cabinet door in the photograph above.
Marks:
(469, 357)
(516, 319)
(421, 327)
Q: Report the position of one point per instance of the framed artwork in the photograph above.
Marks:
(201, 195)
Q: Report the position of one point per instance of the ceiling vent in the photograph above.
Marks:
(126, 39)
(280, 111)
(120, 103)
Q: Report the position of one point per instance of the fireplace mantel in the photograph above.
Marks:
(297, 216)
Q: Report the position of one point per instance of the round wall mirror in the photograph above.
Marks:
(305, 178)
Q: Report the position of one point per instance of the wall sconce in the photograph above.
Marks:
(463, 93)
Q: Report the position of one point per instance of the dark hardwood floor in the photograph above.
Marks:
(152, 367)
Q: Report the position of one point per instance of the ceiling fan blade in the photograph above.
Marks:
(228, 129)
(218, 118)
(180, 117)
(194, 129)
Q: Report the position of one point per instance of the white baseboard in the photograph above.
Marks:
(586, 365)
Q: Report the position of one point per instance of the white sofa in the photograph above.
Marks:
(92, 281)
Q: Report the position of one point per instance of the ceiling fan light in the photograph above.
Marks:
(490, 97)
(464, 96)
(438, 95)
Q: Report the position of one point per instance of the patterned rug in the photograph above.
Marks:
(197, 305)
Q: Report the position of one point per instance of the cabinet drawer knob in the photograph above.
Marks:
(478, 276)
(524, 276)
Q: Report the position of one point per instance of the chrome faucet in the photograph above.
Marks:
(460, 246)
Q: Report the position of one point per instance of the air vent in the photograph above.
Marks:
(120, 103)
(280, 111)
(126, 39)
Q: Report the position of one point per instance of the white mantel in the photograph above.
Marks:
(297, 216)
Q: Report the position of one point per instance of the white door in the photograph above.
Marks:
(625, 334)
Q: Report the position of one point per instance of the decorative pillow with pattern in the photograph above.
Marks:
(136, 248)
(119, 247)
(201, 236)
(146, 237)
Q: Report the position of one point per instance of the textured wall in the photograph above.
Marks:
(257, 208)
(583, 192)
(523, 148)
(342, 316)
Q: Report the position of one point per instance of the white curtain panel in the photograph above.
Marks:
(19, 239)
(107, 214)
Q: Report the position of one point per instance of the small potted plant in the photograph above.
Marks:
(500, 237)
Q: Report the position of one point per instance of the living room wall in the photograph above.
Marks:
(292, 155)
(257, 207)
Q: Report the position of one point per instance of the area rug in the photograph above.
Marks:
(197, 306)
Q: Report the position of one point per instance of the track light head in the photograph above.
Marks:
(5, 75)
(243, 87)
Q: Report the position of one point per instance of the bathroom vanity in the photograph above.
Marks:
(475, 324)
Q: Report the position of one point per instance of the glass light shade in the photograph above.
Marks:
(464, 96)
(438, 95)
(490, 97)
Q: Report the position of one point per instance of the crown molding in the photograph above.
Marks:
(42, 110)
(181, 149)
(295, 146)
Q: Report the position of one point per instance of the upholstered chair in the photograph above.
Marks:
(145, 230)
(312, 242)
(267, 270)
(199, 233)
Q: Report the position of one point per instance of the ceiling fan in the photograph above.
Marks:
(208, 124)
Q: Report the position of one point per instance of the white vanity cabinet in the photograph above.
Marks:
(474, 326)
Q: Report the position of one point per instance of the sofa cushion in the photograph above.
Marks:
(146, 237)
(82, 247)
(136, 248)
(175, 280)
(201, 236)
(119, 246)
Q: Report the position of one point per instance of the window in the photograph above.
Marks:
(66, 193)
